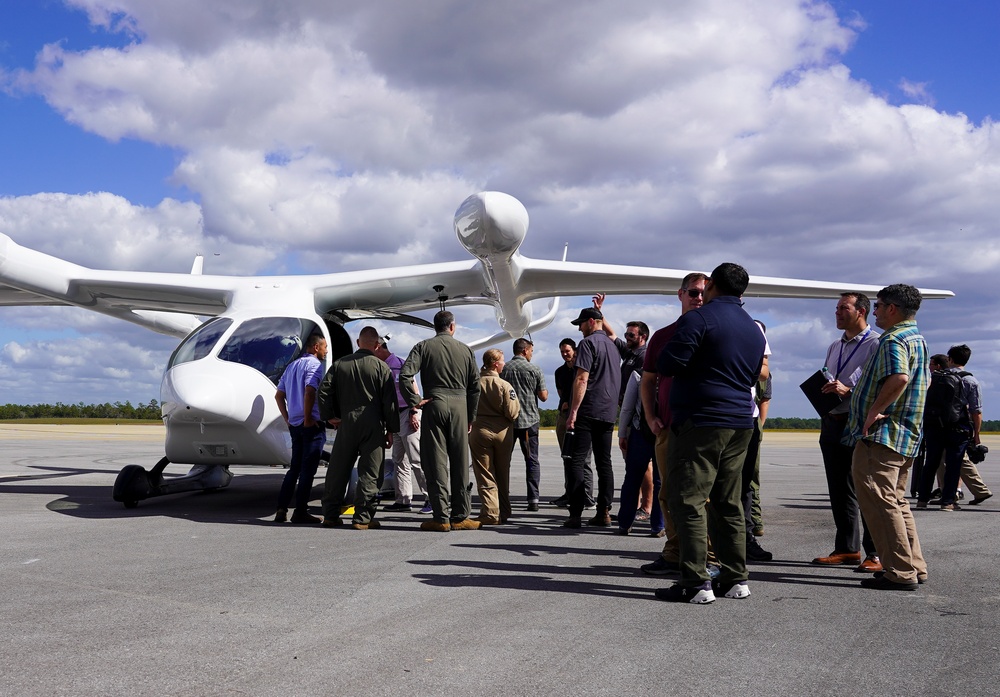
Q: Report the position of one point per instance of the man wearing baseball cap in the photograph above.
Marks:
(593, 409)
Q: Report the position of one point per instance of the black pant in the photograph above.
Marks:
(952, 445)
(847, 516)
(591, 434)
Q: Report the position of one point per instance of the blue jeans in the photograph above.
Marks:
(307, 446)
(637, 458)
(528, 438)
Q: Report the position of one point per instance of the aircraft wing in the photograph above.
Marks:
(402, 289)
(544, 279)
(15, 297)
(172, 303)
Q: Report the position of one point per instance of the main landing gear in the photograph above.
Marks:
(134, 483)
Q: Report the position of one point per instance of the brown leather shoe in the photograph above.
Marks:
(573, 521)
(332, 522)
(601, 519)
(370, 525)
(467, 524)
(488, 520)
(870, 565)
(282, 515)
(837, 558)
(435, 526)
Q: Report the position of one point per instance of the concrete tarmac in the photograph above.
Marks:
(198, 594)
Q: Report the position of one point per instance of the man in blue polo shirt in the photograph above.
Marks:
(715, 357)
(296, 398)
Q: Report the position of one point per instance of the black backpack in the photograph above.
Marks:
(945, 407)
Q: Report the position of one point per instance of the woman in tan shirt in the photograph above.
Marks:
(492, 439)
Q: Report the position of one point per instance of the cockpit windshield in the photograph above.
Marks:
(200, 342)
(268, 344)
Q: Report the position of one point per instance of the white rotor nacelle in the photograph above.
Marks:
(491, 225)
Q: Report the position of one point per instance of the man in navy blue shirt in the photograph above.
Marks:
(715, 357)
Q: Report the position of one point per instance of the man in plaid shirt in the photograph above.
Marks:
(887, 413)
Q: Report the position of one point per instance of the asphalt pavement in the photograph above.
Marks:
(198, 594)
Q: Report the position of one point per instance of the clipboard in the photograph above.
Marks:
(822, 402)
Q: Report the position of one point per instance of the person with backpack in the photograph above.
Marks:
(952, 419)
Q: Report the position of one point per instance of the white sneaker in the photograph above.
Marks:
(700, 595)
(739, 591)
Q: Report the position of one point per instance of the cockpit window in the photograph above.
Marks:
(268, 344)
(199, 343)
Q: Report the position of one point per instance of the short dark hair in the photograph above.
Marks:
(521, 346)
(730, 279)
(861, 302)
(906, 298)
(443, 320)
(960, 355)
(641, 326)
(567, 342)
(692, 277)
(369, 333)
(940, 359)
(314, 339)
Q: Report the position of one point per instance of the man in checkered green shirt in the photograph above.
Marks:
(887, 413)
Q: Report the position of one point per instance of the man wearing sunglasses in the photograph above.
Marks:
(655, 393)
(887, 411)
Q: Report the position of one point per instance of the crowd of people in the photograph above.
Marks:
(689, 401)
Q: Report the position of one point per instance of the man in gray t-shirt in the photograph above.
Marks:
(592, 413)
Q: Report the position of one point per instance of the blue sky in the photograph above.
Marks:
(949, 47)
(161, 141)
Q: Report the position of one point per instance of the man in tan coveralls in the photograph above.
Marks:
(448, 372)
(358, 398)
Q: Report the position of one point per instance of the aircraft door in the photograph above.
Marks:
(341, 343)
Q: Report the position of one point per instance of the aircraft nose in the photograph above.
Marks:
(204, 391)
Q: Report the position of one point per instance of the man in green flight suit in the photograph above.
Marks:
(358, 398)
(448, 373)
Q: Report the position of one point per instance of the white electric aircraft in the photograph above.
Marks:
(217, 393)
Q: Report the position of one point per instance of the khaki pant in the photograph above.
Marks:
(670, 551)
(491, 452)
(880, 475)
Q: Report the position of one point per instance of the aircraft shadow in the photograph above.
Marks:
(245, 501)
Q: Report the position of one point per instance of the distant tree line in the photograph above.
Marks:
(777, 423)
(118, 410)
(151, 412)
